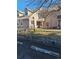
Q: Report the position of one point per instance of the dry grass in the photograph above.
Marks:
(47, 31)
(42, 32)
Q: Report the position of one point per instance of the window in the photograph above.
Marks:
(47, 24)
(17, 23)
(59, 17)
(39, 24)
(32, 17)
(21, 23)
(59, 24)
(32, 22)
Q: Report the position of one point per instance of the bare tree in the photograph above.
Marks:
(44, 9)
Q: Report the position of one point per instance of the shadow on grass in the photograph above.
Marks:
(50, 41)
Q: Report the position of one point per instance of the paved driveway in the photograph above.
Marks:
(28, 50)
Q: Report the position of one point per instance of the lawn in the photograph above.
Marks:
(42, 31)
(47, 37)
(52, 33)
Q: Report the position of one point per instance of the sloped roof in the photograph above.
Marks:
(25, 17)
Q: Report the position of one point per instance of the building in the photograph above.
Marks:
(34, 21)
(44, 19)
(53, 20)
(22, 24)
(20, 13)
(40, 19)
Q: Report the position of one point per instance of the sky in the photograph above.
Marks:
(32, 5)
(20, 5)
